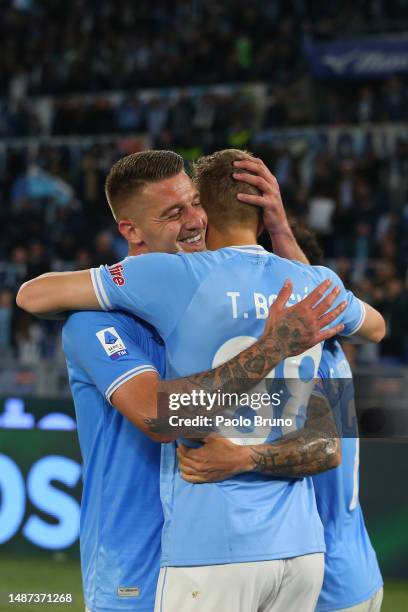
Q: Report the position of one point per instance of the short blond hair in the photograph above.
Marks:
(218, 189)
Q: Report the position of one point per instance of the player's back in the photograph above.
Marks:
(207, 307)
(234, 289)
(249, 517)
(121, 516)
(351, 574)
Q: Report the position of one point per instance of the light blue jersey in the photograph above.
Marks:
(121, 515)
(351, 573)
(207, 307)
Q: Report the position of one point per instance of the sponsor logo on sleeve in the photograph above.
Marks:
(116, 273)
(112, 343)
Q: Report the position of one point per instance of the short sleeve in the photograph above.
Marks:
(354, 315)
(156, 287)
(322, 381)
(332, 389)
(107, 347)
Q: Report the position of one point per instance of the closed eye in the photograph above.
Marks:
(174, 214)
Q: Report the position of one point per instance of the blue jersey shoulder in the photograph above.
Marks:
(92, 339)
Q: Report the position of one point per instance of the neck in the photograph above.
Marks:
(137, 249)
(219, 240)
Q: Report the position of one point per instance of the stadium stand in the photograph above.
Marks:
(339, 149)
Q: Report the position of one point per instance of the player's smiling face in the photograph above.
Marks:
(171, 218)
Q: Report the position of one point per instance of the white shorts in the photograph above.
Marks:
(287, 585)
(370, 605)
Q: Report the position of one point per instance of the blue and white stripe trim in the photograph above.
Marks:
(127, 376)
(252, 249)
(99, 289)
(360, 321)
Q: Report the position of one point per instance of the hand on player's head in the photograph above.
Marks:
(255, 172)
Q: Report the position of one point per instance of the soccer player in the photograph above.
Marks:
(121, 514)
(352, 579)
(215, 298)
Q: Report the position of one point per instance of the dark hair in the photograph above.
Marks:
(129, 175)
(307, 241)
(212, 175)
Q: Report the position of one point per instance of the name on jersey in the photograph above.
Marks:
(116, 273)
(112, 343)
(261, 303)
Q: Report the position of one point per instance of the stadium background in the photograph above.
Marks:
(319, 90)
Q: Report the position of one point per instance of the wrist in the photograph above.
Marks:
(280, 229)
(244, 462)
(273, 351)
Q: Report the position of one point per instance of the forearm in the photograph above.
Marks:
(284, 244)
(239, 374)
(313, 449)
(35, 298)
(373, 328)
(309, 453)
(58, 292)
(288, 331)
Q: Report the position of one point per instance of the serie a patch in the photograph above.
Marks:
(112, 343)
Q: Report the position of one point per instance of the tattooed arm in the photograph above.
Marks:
(313, 449)
(288, 331)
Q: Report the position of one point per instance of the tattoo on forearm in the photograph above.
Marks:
(291, 336)
(309, 451)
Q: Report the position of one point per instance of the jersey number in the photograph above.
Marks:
(291, 372)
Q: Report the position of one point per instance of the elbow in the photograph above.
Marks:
(377, 331)
(380, 330)
(26, 299)
(333, 453)
(373, 328)
(159, 438)
(328, 456)
(157, 430)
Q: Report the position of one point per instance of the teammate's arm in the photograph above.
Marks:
(138, 285)
(273, 212)
(256, 173)
(288, 331)
(373, 327)
(56, 292)
(313, 449)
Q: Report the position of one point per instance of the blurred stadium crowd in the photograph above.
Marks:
(349, 184)
(300, 103)
(57, 47)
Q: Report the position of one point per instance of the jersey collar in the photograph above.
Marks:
(249, 248)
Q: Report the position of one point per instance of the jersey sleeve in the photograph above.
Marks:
(156, 287)
(322, 381)
(106, 347)
(332, 389)
(353, 316)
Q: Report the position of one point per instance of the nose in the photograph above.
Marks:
(195, 218)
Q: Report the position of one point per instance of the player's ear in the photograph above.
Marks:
(131, 233)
